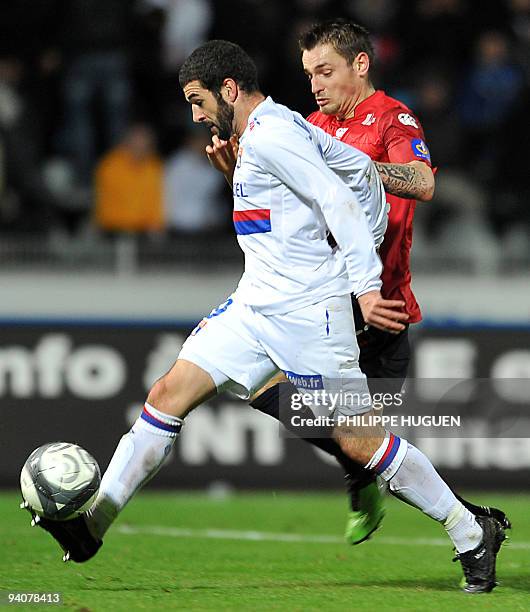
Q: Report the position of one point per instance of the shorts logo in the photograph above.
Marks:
(407, 119)
(419, 148)
(199, 327)
(215, 313)
(305, 381)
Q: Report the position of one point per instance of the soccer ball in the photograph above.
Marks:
(59, 480)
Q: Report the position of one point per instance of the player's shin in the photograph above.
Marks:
(137, 458)
(412, 476)
(277, 402)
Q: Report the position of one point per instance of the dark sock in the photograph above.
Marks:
(277, 403)
(268, 402)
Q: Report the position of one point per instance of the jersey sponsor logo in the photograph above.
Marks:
(407, 119)
(239, 190)
(305, 381)
(369, 119)
(419, 148)
(340, 132)
(252, 221)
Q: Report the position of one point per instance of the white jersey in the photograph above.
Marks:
(292, 183)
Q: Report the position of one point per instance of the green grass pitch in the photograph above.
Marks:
(268, 551)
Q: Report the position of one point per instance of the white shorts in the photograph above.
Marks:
(315, 347)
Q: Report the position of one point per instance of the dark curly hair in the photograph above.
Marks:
(347, 38)
(217, 60)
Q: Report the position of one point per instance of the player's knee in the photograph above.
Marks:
(158, 392)
(171, 394)
(159, 395)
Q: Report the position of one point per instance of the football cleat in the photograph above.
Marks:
(366, 515)
(479, 564)
(496, 513)
(35, 520)
(73, 536)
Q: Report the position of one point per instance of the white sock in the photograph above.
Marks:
(388, 457)
(463, 529)
(412, 476)
(137, 458)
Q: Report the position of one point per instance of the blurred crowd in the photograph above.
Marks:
(95, 135)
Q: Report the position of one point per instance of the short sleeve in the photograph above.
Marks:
(402, 137)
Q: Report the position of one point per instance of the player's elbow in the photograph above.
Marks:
(429, 192)
(426, 193)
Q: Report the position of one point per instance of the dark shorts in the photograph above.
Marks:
(382, 355)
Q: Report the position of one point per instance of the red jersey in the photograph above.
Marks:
(387, 131)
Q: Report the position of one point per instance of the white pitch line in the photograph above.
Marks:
(264, 536)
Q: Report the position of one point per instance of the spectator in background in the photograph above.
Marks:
(192, 188)
(489, 92)
(493, 82)
(519, 21)
(379, 17)
(456, 222)
(262, 27)
(509, 210)
(26, 203)
(441, 123)
(94, 36)
(185, 27)
(171, 29)
(129, 185)
(437, 29)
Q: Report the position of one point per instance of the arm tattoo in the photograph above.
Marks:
(402, 180)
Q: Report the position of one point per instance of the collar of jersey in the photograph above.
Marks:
(260, 110)
(368, 102)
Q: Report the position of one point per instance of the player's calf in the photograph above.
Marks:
(142, 451)
(137, 458)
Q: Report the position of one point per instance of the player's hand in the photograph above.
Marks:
(384, 314)
(223, 155)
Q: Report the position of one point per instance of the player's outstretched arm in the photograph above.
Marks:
(413, 180)
(222, 154)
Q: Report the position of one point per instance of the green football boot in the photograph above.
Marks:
(366, 514)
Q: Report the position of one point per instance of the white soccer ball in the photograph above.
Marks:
(59, 480)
